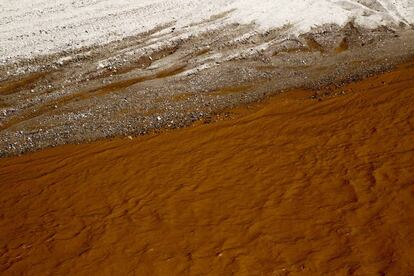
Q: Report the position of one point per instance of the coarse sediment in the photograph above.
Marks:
(130, 87)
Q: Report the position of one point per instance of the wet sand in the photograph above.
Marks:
(305, 183)
(121, 89)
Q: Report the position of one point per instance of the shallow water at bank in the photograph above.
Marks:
(313, 182)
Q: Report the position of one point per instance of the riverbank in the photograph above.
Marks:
(117, 90)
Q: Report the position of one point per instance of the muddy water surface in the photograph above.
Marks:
(293, 186)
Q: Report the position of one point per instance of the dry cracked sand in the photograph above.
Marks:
(308, 182)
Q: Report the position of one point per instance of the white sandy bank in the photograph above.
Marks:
(34, 27)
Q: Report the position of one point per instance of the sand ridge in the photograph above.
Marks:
(304, 184)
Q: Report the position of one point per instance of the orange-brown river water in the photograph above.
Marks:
(291, 186)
